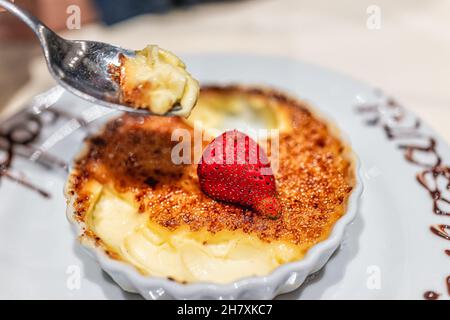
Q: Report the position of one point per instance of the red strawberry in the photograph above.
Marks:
(234, 169)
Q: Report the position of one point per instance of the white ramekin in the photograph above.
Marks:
(283, 279)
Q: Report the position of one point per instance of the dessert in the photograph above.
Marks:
(138, 206)
(157, 80)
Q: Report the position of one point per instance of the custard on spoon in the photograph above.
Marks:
(157, 80)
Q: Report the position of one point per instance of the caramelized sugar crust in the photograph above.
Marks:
(135, 96)
(133, 156)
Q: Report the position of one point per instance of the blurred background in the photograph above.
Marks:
(405, 51)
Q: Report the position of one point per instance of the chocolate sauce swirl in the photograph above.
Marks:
(431, 295)
(448, 285)
(397, 125)
(16, 139)
(19, 134)
(441, 230)
(429, 180)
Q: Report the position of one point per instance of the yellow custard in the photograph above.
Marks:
(157, 80)
(182, 255)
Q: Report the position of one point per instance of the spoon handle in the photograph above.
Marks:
(34, 23)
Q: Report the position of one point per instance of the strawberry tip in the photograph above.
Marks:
(268, 207)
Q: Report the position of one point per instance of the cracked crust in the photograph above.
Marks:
(132, 156)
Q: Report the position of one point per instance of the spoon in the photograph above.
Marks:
(81, 67)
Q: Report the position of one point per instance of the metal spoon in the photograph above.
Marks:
(81, 67)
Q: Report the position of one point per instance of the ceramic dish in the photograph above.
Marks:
(87, 201)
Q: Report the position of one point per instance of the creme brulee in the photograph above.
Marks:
(140, 208)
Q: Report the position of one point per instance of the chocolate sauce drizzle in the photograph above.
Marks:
(433, 175)
(431, 295)
(16, 139)
(416, 146)
(441, 230)
(448, 285)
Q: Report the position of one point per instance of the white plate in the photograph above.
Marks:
(389, 251)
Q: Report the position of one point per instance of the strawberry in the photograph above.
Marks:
(235, 169)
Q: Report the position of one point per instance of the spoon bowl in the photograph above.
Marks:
(81, 67)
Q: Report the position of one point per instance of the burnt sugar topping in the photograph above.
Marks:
(138, 203)
(133, 156)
